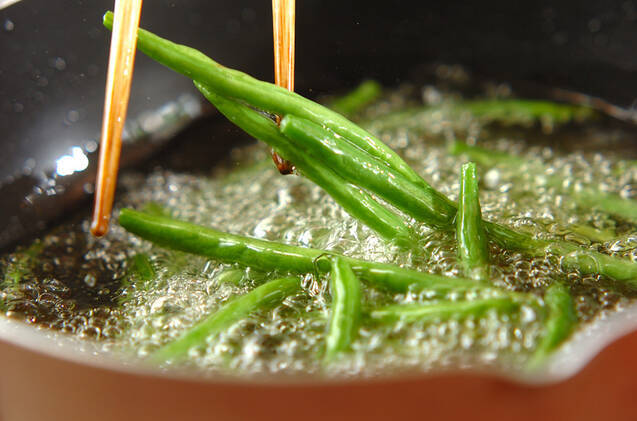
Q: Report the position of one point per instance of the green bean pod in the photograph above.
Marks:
(355, 201)
(422, 202)
(591, 261)
(264, 297)
(265, 96)
(561, 322)
(470, 235)
(141, 268)
(485, 157)
(345, 313)
(354, 101)
(524, 111)
(589, 198)
(606, 202)
(271, 256)
(438, 311)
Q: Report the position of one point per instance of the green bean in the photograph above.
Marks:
(141, 268)
(22, 265)
(438, 311)
(271, 256)
(266, 296)
(140, 273)
(15, 272)
(486, 157)
(345, 313)
(606, 202)
(265, 96)
(470, 234)
(561, 322)
(512, 240)
(364, 94)
(506, 112)
(355, 201)
(513, 111)
(227, 248)
(589, 261)
(155, 208)
(395, 278)
(422, 202)
(594, 234)
(231, 276)
(572, 256)
(586, 197)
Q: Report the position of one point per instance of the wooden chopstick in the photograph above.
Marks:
(118, 82)
(283, 17)
(283, 25)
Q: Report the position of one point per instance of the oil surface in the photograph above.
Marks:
(72, 282)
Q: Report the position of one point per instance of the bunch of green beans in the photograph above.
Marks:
(353, 167)
(427, 205)
(232, 89)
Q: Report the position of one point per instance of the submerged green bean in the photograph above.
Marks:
(345, 313)
(444, 310)
(364, 94)
(271, 256)
(503, 111)
(587, 261)
(264, 297)
(561, 322)
(511, 111)
(17, 269)
(606, 202)
(231, 276)
(594, 234)
(486, 157)
(141, 268)
(470, 234)
(587, 197)
(15, 272)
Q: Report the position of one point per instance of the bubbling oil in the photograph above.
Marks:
(81, 285)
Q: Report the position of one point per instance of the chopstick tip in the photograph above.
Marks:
(99, 226)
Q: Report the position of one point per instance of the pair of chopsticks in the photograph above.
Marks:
(118, 82)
